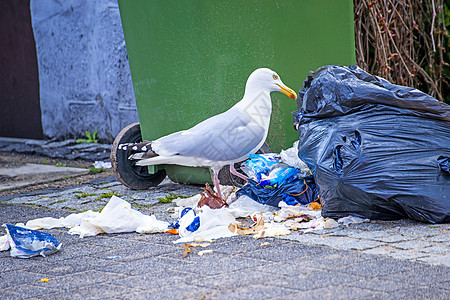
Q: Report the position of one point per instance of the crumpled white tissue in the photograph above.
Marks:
(70, 221)
(117, 217)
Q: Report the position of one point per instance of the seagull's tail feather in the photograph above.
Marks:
(140, 150)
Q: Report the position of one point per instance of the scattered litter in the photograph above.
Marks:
(244, 206)
(254, 229)
(70, 221)
(259, 164)
(203, 245)
(203, 218)
(201, 253)
(44, 223)
(228, 193)
(113, 257)
(290, 157)
(187, 250)
(260, 229)
(116, 217)
(211, 199)
(268, 171)
(295, 192)
(330, 223)
(315, 206)
(206, 225)
(187, 202)
(45, 280)
(102, 164)
(26, 243)
(272, 180)
(4, 243)
(352, 220)
(199, 239)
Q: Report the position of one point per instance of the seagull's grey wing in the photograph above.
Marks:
(224, 137)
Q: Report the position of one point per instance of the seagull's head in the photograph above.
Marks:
(269, 80)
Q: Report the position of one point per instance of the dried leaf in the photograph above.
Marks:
(211, 199)
(185, 253)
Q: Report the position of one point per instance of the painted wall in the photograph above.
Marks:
(85, 81)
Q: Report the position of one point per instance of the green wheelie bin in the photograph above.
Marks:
(190, 59)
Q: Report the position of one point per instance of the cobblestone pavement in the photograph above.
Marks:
(382, 260)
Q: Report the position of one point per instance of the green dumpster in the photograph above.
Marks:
(190, 59)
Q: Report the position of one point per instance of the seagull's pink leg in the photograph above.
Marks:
(216, 182)
(236, 173)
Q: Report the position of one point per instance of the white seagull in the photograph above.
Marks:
(223, 139)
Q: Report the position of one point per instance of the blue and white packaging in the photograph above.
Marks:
(26, 243)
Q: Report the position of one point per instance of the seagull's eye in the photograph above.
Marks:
(275, 76)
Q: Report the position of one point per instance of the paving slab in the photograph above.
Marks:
(30, 174)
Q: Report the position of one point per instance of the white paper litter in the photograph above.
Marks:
(116, 217)
(352, 220)
(70, 221)
(272, 229)
(4, 243)
(203, 252)
(321, 223)
(290, 157)
(102, 164)
(244, 206)
(73, 220)
(187, 202)
(47, 223)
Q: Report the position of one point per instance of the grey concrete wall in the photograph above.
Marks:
(85, 81)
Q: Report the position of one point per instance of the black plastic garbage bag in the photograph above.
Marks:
(377, 150)
(301, 191)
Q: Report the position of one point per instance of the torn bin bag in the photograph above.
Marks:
(377, 150)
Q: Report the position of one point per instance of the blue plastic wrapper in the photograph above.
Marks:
(187, 223)
(176, 224)
(26, 243)
(376, 150)
(269, 171)
(261, 164)
(301, 191)
(279, 176)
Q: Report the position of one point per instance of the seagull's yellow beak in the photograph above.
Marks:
(287, 91)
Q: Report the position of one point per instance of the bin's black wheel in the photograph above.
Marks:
(126, 171)
(225, 176)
